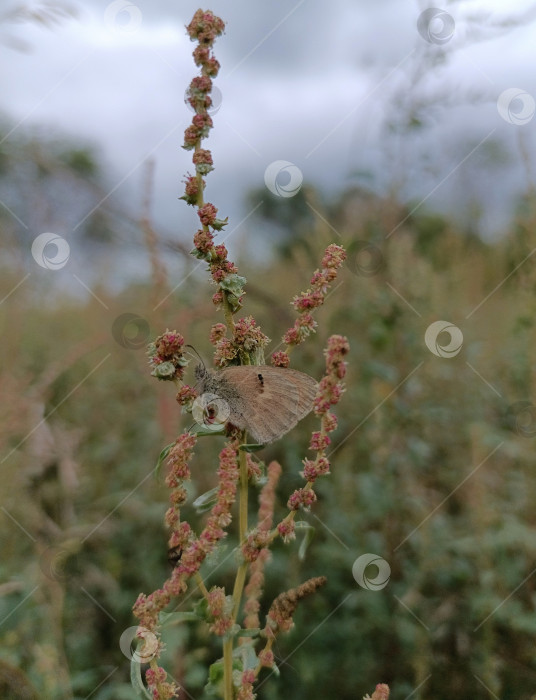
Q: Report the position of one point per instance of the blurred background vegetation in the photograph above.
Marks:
(433, 461)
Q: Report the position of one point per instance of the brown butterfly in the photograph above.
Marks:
(266, 401)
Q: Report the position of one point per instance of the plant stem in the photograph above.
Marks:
(240, 574)
(242, 528)
(228, 313)
(239, 587)
(201, 584)
(228, 669)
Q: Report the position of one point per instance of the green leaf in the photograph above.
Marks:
(136, 680)
(201, 609)
(234, 301)
(309, 531)
(174, 618)
(233, 283)
(215, 677)
(206, 500)
(165, 370)
(198, 254)
(201, 431)
(218, 224)
(253, 447)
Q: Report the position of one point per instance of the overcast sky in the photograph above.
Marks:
(327, 86)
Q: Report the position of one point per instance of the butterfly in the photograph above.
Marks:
(266, 401)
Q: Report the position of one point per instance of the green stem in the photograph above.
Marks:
(239, 587)
(228, 313)
(228, 669)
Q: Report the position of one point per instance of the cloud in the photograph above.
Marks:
(332, 88)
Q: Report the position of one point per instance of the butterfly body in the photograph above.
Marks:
(266, 401)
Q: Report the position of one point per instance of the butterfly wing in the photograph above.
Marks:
(267, 401)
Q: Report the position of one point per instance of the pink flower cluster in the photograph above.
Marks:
(330, 390)
(186, 395)
(247, 338)
(194, 550)
(219, 611)
(156, 681)
(255, 584)
(245, 692)
(204, 28)
(220, 517)
(286, 529)
(301, 498)
(179, 472)
(193, 186)
(203, 161)
(305, 302)
(280, 358)
(381, 692)
(279, 618)
(166, 356)
(198, 129)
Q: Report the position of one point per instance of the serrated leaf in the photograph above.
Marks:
(165, 370)
(309, 533)
(233, 283)
(206, 500)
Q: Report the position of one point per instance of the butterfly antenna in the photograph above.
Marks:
(197, 354)
(200, 360)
